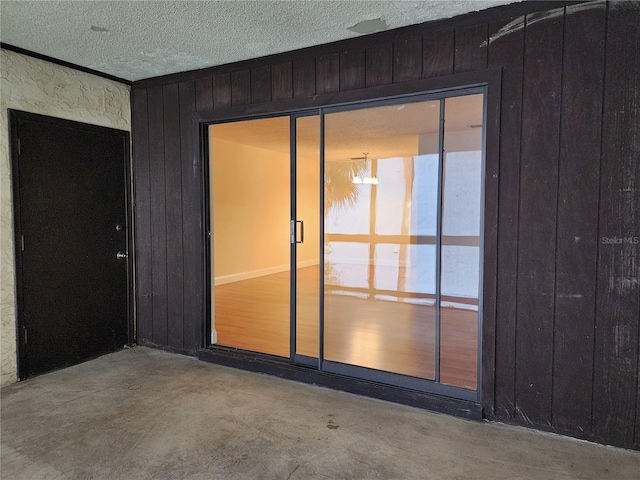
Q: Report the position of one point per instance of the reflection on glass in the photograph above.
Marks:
(250, 225)
(346, 265)
(308, 252)
(460, 256)
(343, 197)
(380, 237)
(387, 267)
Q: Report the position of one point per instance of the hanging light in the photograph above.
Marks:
(370, 180)
(357, 179)
(366, 180)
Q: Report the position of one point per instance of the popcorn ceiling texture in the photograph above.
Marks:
(136, 40)
(41, 87)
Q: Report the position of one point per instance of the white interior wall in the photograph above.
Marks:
(250, 211)
(38, 86)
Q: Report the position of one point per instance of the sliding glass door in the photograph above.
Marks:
(402, 252)
(349, 239)
(306, 246)
(381, 210)
(460, 241)
(250, 213)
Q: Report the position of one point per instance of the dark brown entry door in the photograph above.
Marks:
(71, 240)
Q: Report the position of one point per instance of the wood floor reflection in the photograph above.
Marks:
(385, 335)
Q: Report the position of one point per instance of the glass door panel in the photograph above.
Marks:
(379, 211)
(250, 209)
(307, 235)
(461, 247)
(380, 223)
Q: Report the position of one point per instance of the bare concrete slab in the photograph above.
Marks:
(147, 414)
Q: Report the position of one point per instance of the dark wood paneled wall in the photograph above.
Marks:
(168, 216)
(562, 334)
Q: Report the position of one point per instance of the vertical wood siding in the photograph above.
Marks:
(577, 246)
(561, 338)
(507, 52)
(192, 288)
(615, 389)
(281, 81)
(173, 214)
(142, 214)
(437, 53)
(537, 218)
(352, 70)
(158, 227)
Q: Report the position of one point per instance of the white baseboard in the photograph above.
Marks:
(238, 277)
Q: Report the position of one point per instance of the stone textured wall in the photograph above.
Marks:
(41, 87)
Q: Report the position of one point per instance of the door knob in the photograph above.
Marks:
(121, 255)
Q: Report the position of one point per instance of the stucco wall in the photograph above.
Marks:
(41, 87)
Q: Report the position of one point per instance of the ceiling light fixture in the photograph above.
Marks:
(357, 179)
(366, 180)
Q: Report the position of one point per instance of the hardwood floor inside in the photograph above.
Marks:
(393, 336)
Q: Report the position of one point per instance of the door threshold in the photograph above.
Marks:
(280, 367)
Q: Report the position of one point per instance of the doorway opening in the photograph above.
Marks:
(349, 239)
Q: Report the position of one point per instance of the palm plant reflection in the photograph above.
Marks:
(340, 194)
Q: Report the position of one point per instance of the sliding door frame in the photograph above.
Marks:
(294, 357)
(398, 379)
(490, 82)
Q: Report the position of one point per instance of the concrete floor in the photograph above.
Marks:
(148, 414)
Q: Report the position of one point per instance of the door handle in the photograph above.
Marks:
(121, 255)
(301, 222)
(294, 231)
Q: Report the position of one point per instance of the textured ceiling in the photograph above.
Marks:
(142, 39)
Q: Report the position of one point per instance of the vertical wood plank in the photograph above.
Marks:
(158, 218)
(328, 73)
(637, 427)
(471, 48)
(538, 211)
(221, 90)
(261, 85)
(142, 214)
(507, 52)
(618, 294)
(204, 93)
(304, 77)
(437, 53)
(282, 81)
(173, 214)
(407, 59)
(352, 70)
(379, 64)
(578, 191)
(241, 87)
(192, 238)
(490, 250)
